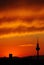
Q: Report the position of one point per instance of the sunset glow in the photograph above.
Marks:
(21, 23)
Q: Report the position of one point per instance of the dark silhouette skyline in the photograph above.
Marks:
(29, 60)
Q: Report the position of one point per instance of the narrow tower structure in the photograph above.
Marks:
(37, 49)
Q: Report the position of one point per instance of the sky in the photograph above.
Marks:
(21, 24)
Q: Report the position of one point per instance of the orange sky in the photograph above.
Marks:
(20, 26)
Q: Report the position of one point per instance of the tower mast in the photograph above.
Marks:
(37, 49)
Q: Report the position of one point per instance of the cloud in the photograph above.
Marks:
(25, 45)
(28, 19)
(32, 18)
(19, 3)
(35, 1)
(27, 29)
(20, 29)
(7, 19)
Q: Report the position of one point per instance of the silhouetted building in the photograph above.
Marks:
(10, 55)
(37, 48)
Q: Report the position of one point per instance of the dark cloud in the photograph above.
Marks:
(23, 19)
(34, 1)
(8, 19)
(4, 31)
(20, 29)
(32, 18)
(27, 29)
(19, 3)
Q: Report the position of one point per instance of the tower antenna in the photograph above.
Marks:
(37, 49)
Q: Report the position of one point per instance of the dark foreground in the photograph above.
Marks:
(22, 61)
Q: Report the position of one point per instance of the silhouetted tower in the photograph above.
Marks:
(37, 49)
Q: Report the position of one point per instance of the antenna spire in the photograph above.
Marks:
(37, 48)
